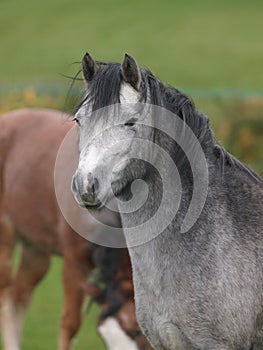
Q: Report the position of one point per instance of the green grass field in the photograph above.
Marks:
(202, 44)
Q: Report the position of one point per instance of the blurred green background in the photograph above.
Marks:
(188, 43)
(211, 50)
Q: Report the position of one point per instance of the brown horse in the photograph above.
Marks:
(29, 214)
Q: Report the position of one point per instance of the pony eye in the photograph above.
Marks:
(75, 119)
(131, 122)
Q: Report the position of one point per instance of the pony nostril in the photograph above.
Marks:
(92, 190)
(92, 185)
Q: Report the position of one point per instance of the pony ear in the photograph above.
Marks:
(131, 72)
(89, 67)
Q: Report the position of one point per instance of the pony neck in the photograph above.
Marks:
(173, 192)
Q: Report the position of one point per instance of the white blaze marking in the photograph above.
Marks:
(114, 337)
(89, 163)
(128, 94)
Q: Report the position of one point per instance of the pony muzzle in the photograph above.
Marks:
(85, 189)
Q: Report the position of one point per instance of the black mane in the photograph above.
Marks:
(104, 90)
(107, 262)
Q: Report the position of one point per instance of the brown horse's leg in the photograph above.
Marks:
(7, 243)
(32, 268)
(76, 266)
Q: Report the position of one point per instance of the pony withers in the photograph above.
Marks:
(191, 212)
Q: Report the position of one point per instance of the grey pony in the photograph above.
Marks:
(197, 290)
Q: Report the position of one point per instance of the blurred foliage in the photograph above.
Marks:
(30, 98)
(240, 130)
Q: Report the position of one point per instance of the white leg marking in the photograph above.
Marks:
(11, 323)
(114, 337)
